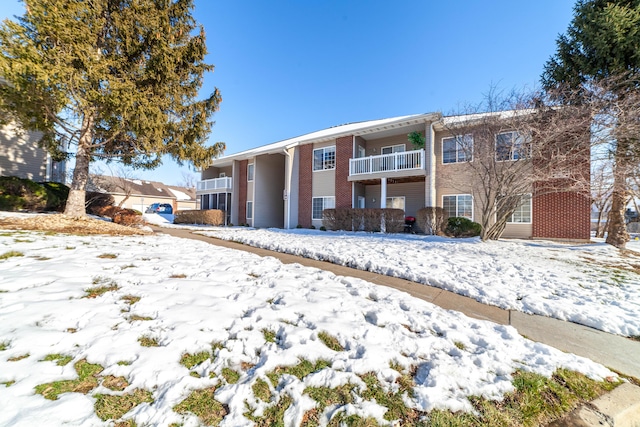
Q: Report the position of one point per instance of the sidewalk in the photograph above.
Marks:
(621, 407)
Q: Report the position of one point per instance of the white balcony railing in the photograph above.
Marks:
(405, 160)
(225, 183)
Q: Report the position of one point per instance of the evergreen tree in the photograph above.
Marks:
(602, 49)
(117, 79)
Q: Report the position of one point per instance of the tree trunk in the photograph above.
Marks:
(75, 206)
(617, 229)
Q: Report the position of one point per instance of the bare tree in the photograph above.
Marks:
(189, 180)
(120, 181)
(516, 147)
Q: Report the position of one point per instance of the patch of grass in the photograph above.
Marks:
(16, 358)
(635, 337)
(190, 360)
(147, 341)
(8, 383)
(70, 248)
(41, 258)
(124, 267)
(393, 401)
(17, 240)
(178, 276)
(330, 341)
(326, 396)
(354, 421)
(87, 381)
(301, 370)
(4, 345)
(230, 375)
(130, 299)
(459, 345)
(103, 285)
(273, 415)
(72, 330)
(261, 390)
(108, 256)
(60, 359)
(115, 383)
(124, 363)
(135, 317)
(203, 404)
(217, 345)
(269, 335)
(110, 407)
(10, 254)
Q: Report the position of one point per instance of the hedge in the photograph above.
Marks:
(431, 220)
(24, 194)
(371, 220)
(209, 216)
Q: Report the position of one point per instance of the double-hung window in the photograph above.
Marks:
(250, 170)
(249, 210)
(522, 214)
(400, 148)
(458, 205)
(324, 158)
(457, 149)
(321, 203)
(512, 146)
(396, 202)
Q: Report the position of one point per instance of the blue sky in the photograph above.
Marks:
(287, 67)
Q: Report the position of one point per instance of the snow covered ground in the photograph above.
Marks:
(187, 295)
(592, 284)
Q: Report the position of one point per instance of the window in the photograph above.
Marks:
(222, 175)
(458, 205)
(250, 172)
(324, 158)
(512, 146)
(393, 149)
(457, 149)
(361, 202)
(522, 214)
(321, 203)
(249, 210)
(395, 202)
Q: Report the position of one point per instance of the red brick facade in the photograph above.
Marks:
(344, 151)
(242, 192)
(561, 216)
(305, 189)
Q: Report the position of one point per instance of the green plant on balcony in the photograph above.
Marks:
(417, 140)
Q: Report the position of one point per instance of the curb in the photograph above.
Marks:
(618, 408)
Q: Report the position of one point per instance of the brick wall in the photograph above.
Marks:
(562, 215)
(242, 192)
(344, 151)
(305, 190)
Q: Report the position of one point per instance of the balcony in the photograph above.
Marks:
(215, 185)
(410, 161)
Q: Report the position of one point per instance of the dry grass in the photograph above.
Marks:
(63, 224)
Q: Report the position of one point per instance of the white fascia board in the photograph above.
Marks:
(359, 128)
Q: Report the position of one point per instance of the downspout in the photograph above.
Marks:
(287, 188)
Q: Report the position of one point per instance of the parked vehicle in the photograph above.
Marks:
(162, 208)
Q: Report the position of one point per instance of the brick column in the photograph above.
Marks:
(344, 152)
(562, 215)
(305, 189)
(242, 192)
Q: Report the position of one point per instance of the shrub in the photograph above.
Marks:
(209, 216)
(57, 195)
(431, 220)
(96, 203)
(128, 217)
(458, 226)
(17, 194)
(363, 219)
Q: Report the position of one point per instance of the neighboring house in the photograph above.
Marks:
(21, 156)
(139, 194)
(367, 165)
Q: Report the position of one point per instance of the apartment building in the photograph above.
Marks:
(372, 164)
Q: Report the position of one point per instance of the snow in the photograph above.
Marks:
(180, 195)
(197, 294)
(592, 284)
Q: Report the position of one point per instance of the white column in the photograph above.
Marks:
(383, 192)
(430, 163)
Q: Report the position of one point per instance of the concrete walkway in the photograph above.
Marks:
(621, 407)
